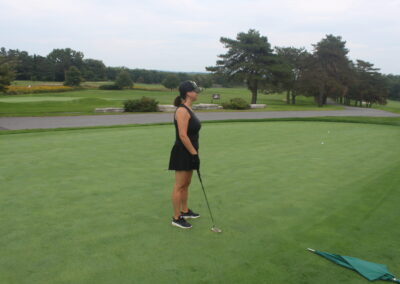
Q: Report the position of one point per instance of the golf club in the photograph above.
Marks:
(213, 228)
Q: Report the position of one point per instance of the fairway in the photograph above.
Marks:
(93, 206)
(84, 102)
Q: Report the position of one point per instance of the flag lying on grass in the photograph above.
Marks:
(371, 271)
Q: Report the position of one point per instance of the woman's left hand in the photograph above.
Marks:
(196, 162)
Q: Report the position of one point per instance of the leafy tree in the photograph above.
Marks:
(139, 80)
(124, 80)
(6, 73)
(43, 69)
(206, 82)
(112, 73)
(221, 80)
(24, 65)
(93, 70)
(203, 80)
(249, 59)
(63, 59)
(73, 77)
(183, 77)
(171, 82)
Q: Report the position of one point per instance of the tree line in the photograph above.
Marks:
(58, 62)
(324, 73)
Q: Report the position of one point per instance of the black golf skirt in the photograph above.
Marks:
(180, 159)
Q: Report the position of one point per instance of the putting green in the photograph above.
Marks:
(37, 99)
(93, 206)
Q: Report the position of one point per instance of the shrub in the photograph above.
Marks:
(142, 105)
(236, 103)
(110, 87)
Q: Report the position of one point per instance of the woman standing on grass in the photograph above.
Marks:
(184, 154)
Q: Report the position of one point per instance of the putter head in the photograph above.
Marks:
(216, 230)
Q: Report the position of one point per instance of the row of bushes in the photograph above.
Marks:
(150, 105)
(117, 87)
(110, 87)
(20, 90)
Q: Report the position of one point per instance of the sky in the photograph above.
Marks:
(184, 35)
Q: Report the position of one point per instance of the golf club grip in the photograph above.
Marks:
(205, 196)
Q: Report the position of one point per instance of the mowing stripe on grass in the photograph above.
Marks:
(94, 206)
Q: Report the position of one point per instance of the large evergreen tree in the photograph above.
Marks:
(369, 86)
(327, 72)
(249, 59)
(332, 67)
(393, 82)
(293, 62)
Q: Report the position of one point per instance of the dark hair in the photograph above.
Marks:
(178, 99)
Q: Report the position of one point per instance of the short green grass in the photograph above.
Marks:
(93, 206)
(392, 106)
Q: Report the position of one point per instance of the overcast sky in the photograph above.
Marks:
(183, 35)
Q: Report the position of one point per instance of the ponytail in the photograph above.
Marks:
(178, 101)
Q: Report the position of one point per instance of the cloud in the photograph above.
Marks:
(164, 34)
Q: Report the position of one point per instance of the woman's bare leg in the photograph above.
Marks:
(185, 194)
(179, 193)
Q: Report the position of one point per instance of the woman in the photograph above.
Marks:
(184, 154)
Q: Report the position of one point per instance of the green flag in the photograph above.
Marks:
(370, 270)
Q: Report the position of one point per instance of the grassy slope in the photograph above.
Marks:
(92, 206)
(91, 99)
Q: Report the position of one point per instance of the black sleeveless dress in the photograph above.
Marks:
(181, 159)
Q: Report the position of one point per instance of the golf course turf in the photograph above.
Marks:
(93, 205)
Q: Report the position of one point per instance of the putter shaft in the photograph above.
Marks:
(205, 196)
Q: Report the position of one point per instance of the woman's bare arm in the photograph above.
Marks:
(182, 117)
